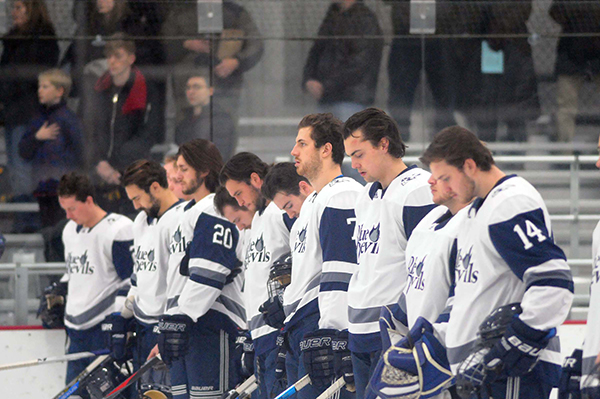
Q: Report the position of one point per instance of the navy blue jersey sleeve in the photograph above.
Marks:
(288, 221)
(524, 243)
(335, 234)
(412, 215)
(122, 259)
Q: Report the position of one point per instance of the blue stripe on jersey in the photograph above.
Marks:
(334, 281)
(412, 215)
(207, 281)
(335, 235)
(452, 266)
(266, 343)
(133, 280)
(303, 313)
(288, 221)
(524, 242)
(333, 286)
(554, 282)
(364, 343)
(122, 259)
(215, 240)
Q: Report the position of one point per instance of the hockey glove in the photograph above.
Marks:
(245, 342)
(569, 386)
(318, 356)
(52, 305)
(281, 356)
(116, 327)
(234, 273)
(273, 312)
(342, 358)
(393, 324)
(518, 351)
(174, 336)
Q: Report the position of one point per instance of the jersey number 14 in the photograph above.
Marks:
(532, 232)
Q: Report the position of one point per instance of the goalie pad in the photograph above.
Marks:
(393, 324)
(417, 367)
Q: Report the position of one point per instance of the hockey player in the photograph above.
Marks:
(98, 257)
(286, 188)
(591, 344)
(147, 187)
(505, 254)
(324, 253)
(243, 177)
(387, 211)
(204, 300)
(229, 207)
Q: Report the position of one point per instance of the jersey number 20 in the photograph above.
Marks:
(222, 236)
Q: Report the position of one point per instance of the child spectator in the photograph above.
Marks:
(52, 143)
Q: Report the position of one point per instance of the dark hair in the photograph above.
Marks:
(326, 128)
(222, 199)
(455, 145)
(241, 166)
(203, 156)
(119, 41)
(375, 124)
(199, 73)
(38, 16)
(77, 185)
(143, 173)
(283, 178)
(108, 22)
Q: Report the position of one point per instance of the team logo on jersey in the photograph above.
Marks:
(367, 239)
(300, 244)
(178, 242)
(79, 264)
(407, 179)
(501, 188)
(257, 252)
(465, 271)
(145, 260)
(416, 279)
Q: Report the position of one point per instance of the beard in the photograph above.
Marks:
(153, 211)
(311, 168)
(194, 186)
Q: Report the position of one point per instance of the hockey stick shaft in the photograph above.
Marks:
(134, 377)
(301, 383)
(246, 384)
(246, 394)
(333, 389)
(56, 359)
(74, 384)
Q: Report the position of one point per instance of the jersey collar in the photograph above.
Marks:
(377, 185)
(478, 203)
(443, 220)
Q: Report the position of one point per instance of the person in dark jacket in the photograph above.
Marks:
(52, 143)
(30, 47)
(578, 58)
(341, 74)
(200, 123)
(232, 58)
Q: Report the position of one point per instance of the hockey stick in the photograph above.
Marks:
(56, 359)
(235, 393)
(333, 389)
(134, 377)
(301, 383)
(72, 387)
(246, 394)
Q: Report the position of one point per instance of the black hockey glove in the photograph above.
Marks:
(234, 273)
(569, 386)
(318, 356)
(174, 336)
(343, 359)
(116, 327)
(273, 312)
(282, 350)
(518, 351)
(52, 305)
(244, 340)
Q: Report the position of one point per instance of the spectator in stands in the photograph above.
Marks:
(342, 74)
(200, 122)
(25, 55)
(232, 58)
(508, 82)
(122, 119)
(442, 59)
(52, 143)
(578, 58)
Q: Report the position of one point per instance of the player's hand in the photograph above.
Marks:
(174, 336)
(518, 351)
(597, 359)
(48, 132)
(107, 173)
(318, 356)
(197, 45)
(245, 341)
(314, 88)
(569, 385)
(154, 352)
(226, 67)
(273, 313)
(116, 327)
(342, 359)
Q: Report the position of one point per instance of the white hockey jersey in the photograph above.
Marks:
(204, 247)
(506, 254)
(591, 344)
(431, 257)
(385, 220)
(99, 264)
(324, 252)
(269, 239)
